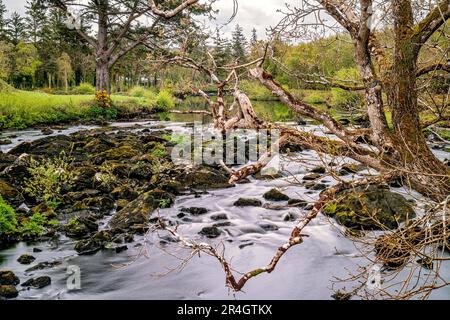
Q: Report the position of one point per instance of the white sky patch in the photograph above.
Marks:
(258, 14)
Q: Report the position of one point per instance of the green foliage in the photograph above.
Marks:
(34, 227)
(48, 177)
(98, 112)
(138, 92)
(84, 88)
(316, 97)
(344, 99)
(8, 222)
(164, 101)
(256, 91)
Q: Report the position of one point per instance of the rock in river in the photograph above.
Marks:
(39, 282)
(247, 202)
(211, 232)
(8, 291)
(374, 207)
(26, 259)
(8, 278)
(275, 195)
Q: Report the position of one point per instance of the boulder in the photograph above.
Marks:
(297, 203)
(275, 195)
(211, 232)
(8, 291)
(26, 259)
(138, 211)
(203, 177)
(312, 176)
(93, 244)
(195, 211)
(349, 168)
(8, 278)
(373, 207)
(38, 283)
(80, 227)
(247, 202)
(319, 169)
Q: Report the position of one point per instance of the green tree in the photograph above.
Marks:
(5, 60)
(221, 49)
(3, 22)
(26, 61)
(239, 43)
(65, 69)
(35, 20)
(16, 28)
(254, 39)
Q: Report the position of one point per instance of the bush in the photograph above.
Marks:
(343, 99)
(138, 92)
(84, 88)
(34, 227)
(48, 177)
(8, 222)
(164, 101)
(315, 97)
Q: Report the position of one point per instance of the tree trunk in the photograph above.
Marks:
(426, 173)
(102, 77)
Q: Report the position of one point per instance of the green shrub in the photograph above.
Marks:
(84, 88)
(48, 177)
(164, 101)
(315, 97)
(344, 99)
(137, 92)
(98, 112)
(34, 227)
(8, 222)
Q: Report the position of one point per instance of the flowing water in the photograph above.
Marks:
(150, 268)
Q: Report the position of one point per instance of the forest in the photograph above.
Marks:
(200, 149)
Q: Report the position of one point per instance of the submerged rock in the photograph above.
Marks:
(219, 216)
(374, 207)
(275, 195)
(26, 259)
(8, 278)
(44, 265)
(8, 291)
(38, 283)
(202, 177)
(211, 232)
(195, 211)
(94, 244)
(312, 176)
(247, 202)
(297, 203)
(139, 210)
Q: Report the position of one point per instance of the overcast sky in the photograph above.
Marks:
(259, 14)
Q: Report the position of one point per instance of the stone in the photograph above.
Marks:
(315, 186)
(372, 208)
(139, 211)
(26, 259)
(211, 232)
(297, 203)
(8, 278)
(8, 291)
(318, 169)
(5, 141)
(195, 211)
(312, 176)
(349, 168)
(247, 202)
(38, 283)
(275, 195)
(44, 265)
(219, 216)
(47, 131)
(203, 177)
(93, 244)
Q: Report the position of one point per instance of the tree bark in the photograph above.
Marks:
(427, 174)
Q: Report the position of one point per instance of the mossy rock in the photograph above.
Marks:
(8, 191)
(349, 168)
(138, 211)
(203, 177)
(44, 209)
(247, 202)
(120, 153)
(94, 244)
(371, 208)
(8, 291)
(275, 195)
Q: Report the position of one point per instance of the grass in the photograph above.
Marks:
(23, 109)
